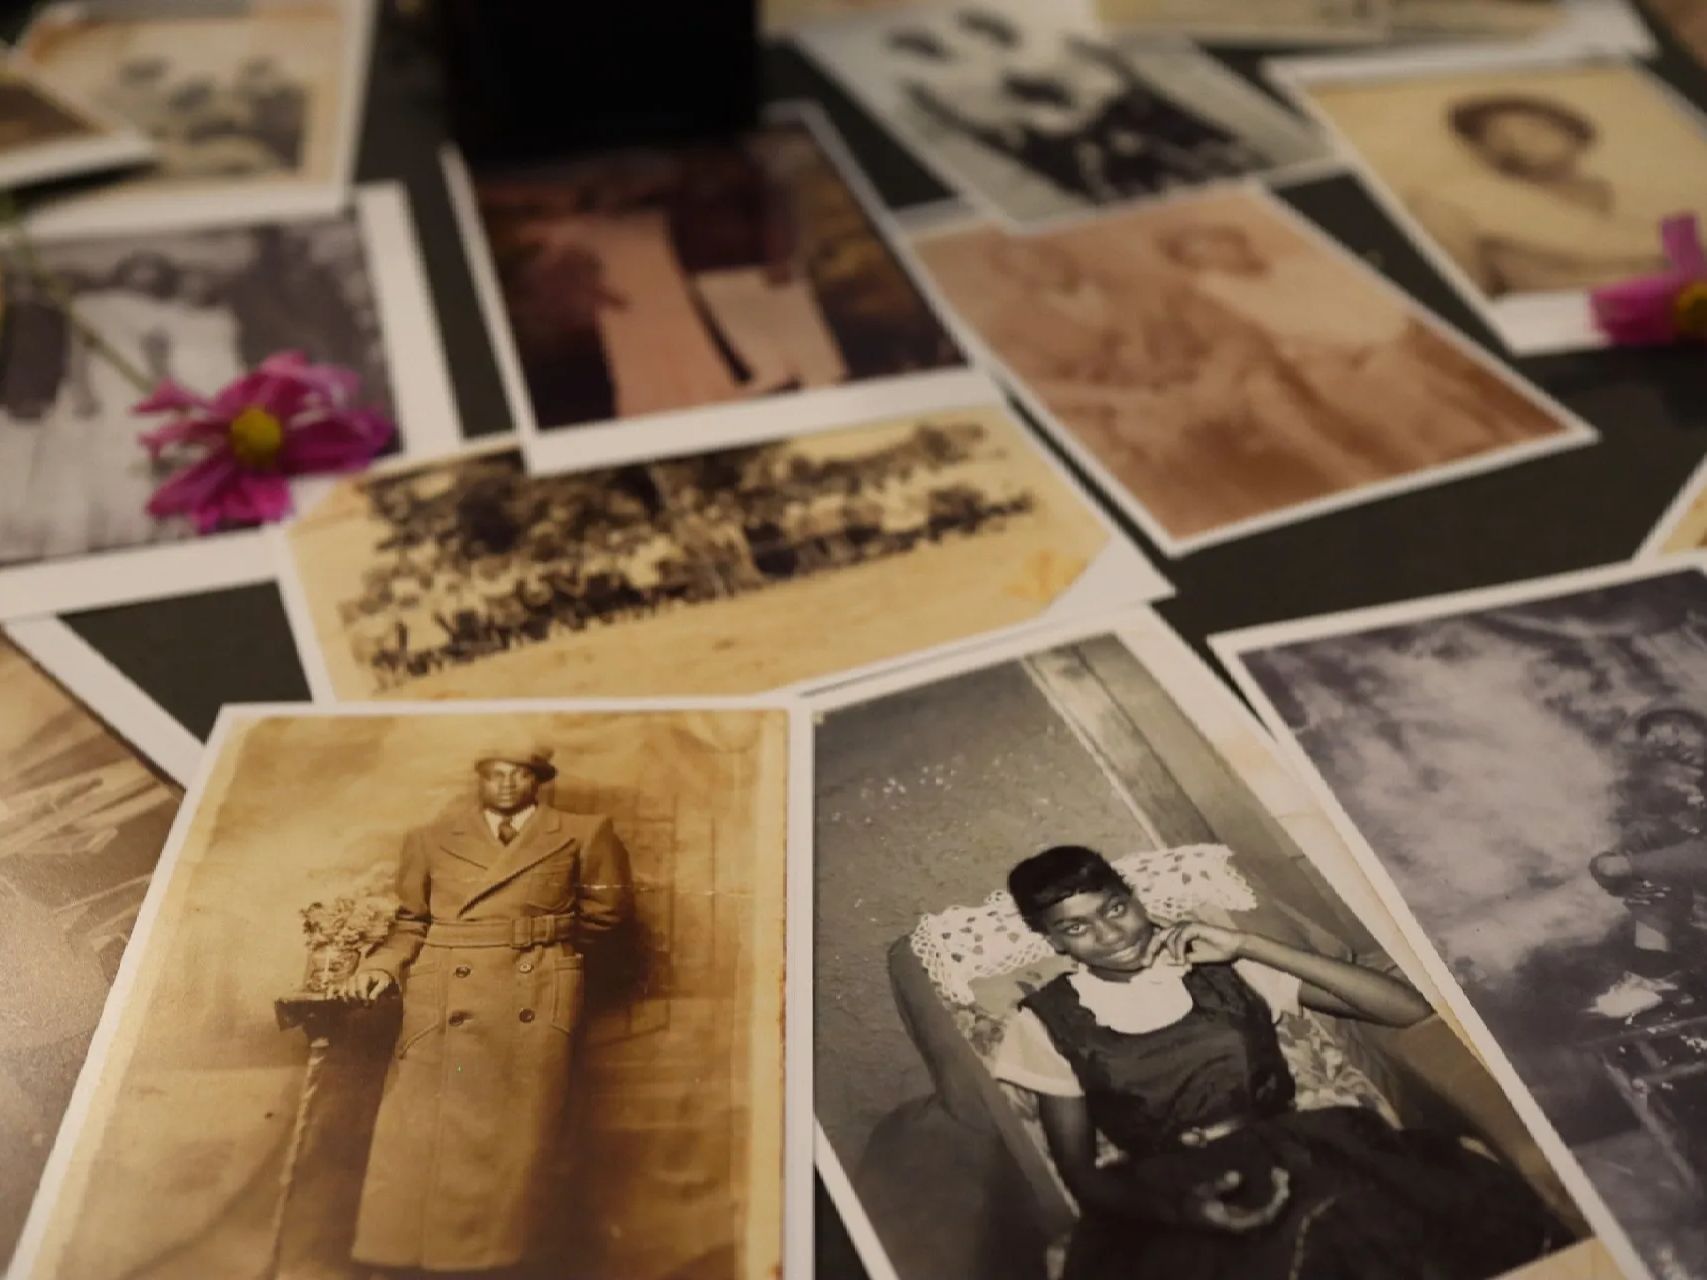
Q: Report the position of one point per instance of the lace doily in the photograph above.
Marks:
(962, 944)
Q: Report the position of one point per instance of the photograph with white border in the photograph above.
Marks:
(710, 573)
(1520, 770)
(1526, 178)
(1039, 114)
(1165, 348)
(647, 302)
(1243, 22)
(202, 305)
(45, 136)
(253, 110)
(586, 906)
(1683, 527)
(87, 797)
(950, 1095)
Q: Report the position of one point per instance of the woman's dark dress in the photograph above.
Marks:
(1367, 1202)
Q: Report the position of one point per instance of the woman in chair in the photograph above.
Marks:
(1163, 1041)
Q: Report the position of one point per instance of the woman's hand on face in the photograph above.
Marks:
(1214, 1211)
(1195, 942)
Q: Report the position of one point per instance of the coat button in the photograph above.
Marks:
(457, 1019)
(526, 966)
(462, 971)
(526, 1015)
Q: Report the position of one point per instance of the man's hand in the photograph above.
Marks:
(1213, 1210)
(366, 985)
(1196, 943)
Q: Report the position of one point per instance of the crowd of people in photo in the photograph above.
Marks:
(496, 559)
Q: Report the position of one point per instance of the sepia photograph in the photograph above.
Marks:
(1523, 771)
(1168, 346)
(1038, 114)
(647, 300)
(1244, 22)
(44, 137)
(201, 306)
(1089, 1005)
(1683, 527)
(255, 105)
(505, 999)
(84, 813)
(711, 573)
(1458, 19)
(1528, 183)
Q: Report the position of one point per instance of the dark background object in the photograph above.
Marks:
(1571, 510)
(528, 80)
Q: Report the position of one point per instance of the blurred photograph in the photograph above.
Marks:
(505, 999)
(710, 573)
(264, 95)
(44, 137)
(1242, 21)
(84, 814)
(1168, 345)
(1039, 116)
(1524, 771)
(643, 282)
(1090, 1008)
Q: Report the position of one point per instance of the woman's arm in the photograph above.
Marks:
(1329, 985)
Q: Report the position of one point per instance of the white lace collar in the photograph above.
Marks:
(1148, 1001)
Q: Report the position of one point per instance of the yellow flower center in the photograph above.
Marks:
(256, 437)
(1689, 309)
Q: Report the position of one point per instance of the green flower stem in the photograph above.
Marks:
(61, 297)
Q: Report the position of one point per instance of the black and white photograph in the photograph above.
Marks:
(506, 999)
(1039, 114)
(709, 573)
(86, 800)
(252, 107)
(1524, 773)
(202, 307)
(44, 137)
(1089, 1006)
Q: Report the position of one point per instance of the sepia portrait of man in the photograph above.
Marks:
(500, 901)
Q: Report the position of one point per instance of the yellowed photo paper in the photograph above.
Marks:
(45, 136)
(448, 993)
(729, 572)
(1256, 21)
(1169, 345)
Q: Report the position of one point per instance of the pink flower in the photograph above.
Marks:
(287, 418)
(1666, 307)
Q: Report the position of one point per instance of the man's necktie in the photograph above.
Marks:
(506, 831)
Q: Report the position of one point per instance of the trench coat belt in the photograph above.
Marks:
(519, 933)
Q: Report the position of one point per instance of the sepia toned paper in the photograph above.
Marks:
(1520, 771)
(1688, 21)
(1039, 114)
(43, 136)
(242, 1114)
(1445, 19)
(648, 301)
(83, 818)
(931, 785)
(1256, 21)
(1169, 346)
(1529, 183)
(255, 109)
(1684, 525)
(712, 573)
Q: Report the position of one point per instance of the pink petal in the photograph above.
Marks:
(1681, 236)
(179, 432)
(192, 490)
(170, 397)
(1638, 312)
(255, 497)
(339, 443)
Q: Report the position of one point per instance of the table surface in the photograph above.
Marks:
(1568, 511)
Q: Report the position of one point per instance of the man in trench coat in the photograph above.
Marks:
(500, 900)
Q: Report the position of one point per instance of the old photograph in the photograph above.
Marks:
(1245, 22)
(1169, 346)
(83, 817)
(1524, 771)
(1683, 527)
(256, 101)
(201, 306)
(1454, 19)
(1038, 113)
(43, 136)
(504, 999)
(630, 286)
(712, 573)
(1528, 184)
(1088, 1007)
